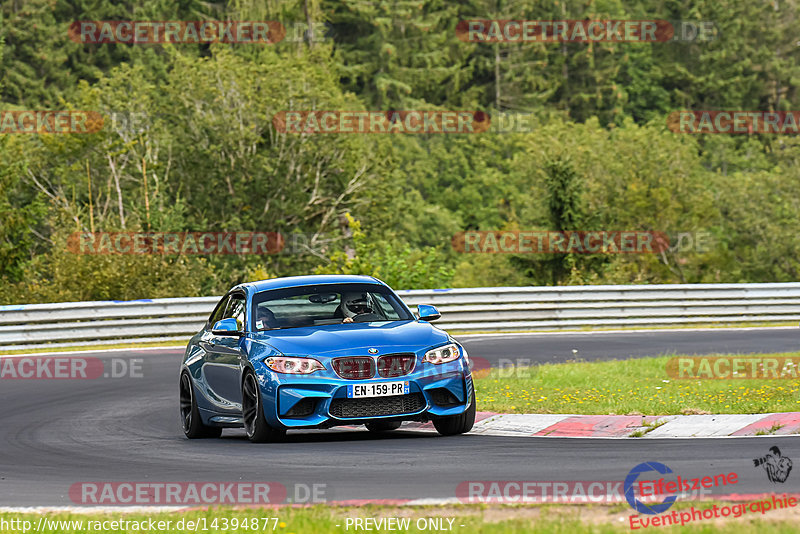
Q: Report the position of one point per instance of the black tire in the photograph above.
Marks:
(192, 425)
(383, 426)
(255, 424)
(457, 424)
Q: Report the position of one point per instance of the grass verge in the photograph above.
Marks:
(636, 386)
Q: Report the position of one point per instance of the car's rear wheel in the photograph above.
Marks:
(193, 426)
(383, 426)
(457, 424)
(255, 424)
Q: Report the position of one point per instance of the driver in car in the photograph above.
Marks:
(265, 319)
(354, 304)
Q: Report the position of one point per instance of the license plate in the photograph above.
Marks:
(377, 389)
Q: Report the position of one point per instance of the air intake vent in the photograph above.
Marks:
(443, 397)
(302, 408)
(377, 406)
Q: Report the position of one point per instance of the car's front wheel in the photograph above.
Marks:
(255, 424)
(457, 424)
(193, 426)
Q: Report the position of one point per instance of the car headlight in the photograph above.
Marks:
(444, 354)
(294, 366)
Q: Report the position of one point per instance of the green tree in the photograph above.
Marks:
(397, 264)
(35, 52)
(401, 54)
(21, 212)
(566, 204)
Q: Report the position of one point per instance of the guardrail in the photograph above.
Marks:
(501, 309)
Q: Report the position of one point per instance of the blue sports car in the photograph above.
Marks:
(320, 351)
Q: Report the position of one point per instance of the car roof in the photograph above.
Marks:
(295, 281)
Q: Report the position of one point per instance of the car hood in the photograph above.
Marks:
(353, 338)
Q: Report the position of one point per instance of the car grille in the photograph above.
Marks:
(377, 406)
(393, 365)
(354, 367)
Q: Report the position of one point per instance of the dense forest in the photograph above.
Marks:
(189, 144)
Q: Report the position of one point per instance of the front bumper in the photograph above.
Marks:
(320, 400)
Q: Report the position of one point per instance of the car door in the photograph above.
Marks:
(221, 371)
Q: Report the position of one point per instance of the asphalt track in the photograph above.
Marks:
(590, 346)
(55, 433)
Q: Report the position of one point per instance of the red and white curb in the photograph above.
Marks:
(622, 426)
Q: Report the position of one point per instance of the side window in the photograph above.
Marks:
(216, 315)
(235, 310)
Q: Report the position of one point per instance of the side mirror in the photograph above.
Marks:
(226, 327)
(428, 313)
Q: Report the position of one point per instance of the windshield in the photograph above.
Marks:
(326, 304)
